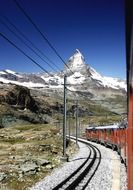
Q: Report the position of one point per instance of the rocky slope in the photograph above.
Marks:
(17, 105)
(18, 96)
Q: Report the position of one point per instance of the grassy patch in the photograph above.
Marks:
(12, 140)
(34, 127)
(28, 142)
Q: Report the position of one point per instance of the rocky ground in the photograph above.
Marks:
(28, 153)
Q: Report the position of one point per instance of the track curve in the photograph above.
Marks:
(80, 178)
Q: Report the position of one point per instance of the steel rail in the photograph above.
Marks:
(99, 161)
(73, 174)
(73, 180)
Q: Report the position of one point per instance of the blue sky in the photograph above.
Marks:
(95, 27)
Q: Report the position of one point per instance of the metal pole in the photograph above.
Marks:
(59, 118)
(69, 127)
(76, 121)
(64, 120)
(79, 128)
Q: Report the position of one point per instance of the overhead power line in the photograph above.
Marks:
(2, 35)
(26, 44)
(43, 36)
(27, 39)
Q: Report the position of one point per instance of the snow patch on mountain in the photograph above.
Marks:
(2, 73)
(12, 73)
(54, 79)
(115, 83)
(27, 84)
(76, 78)
(108, 81)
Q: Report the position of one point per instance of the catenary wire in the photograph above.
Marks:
(26, 44)
(3, 36)
(43, 36)
(26, 38)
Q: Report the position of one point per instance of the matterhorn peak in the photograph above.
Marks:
(78, 54)
(76, 62)
(77, 59)
(78, 51)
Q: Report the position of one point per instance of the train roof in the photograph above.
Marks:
(115, 126)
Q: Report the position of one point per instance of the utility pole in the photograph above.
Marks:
(64, 121)
(69, 126)
(79, 126)
(76, 121)
(60, 118)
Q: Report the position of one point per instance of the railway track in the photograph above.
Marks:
(80, 178)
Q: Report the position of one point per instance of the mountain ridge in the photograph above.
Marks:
(83, 74)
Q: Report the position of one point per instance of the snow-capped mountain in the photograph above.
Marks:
(108, 82)
(83, 73)
(79, 75)
(76, 63)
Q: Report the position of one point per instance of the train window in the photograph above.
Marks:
(108, 131)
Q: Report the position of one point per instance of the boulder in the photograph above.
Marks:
(21, 97)
(42, 162)
(29, 167)
(2, 176)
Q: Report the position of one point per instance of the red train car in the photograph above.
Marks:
(129, 60)
(114, 136)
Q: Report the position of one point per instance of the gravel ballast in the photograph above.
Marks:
(105, 178)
